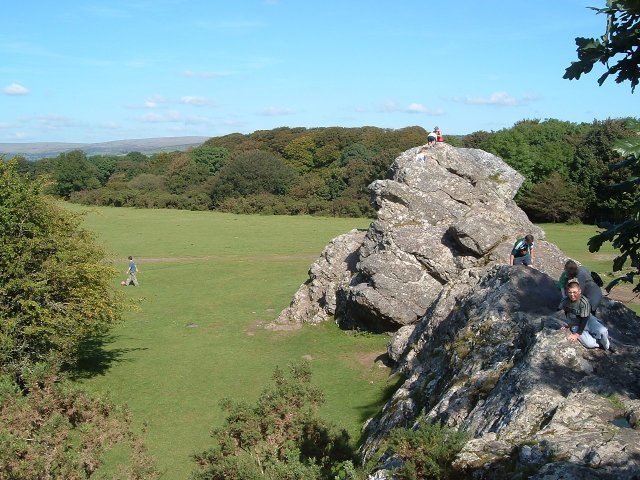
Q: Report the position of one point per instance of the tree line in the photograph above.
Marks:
(325, 171)
(321, 171)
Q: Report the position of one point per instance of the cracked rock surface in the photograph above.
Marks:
(493, 360)
(441, 212)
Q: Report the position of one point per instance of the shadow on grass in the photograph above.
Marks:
(95, 359)
(372, 409)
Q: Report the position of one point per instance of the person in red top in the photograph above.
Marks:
(439, 137)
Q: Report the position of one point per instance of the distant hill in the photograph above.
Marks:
(35, 151)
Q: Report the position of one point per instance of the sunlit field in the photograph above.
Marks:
(208, 284)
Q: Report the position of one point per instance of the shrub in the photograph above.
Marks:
(51, 429)
(280, 437)
(427, 451)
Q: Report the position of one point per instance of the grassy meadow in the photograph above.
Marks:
(208, 283)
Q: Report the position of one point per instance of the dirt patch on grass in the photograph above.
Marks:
(624, 294)
(369, 360)
(204, 258)
(605, 257)
(254, 326)
(372, 365)
(366, 359)
(283, 327)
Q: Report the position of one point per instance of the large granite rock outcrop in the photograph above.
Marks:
(480, 344)
(441, 212)
(492, 359)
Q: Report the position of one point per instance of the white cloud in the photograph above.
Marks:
(420, 108)
(500, 99)
(197, 120)
(55, 122)
(195, 101)
(155, 117)
(154, 101)
(109, 125)
(16, 89)
(392, 107)
(14, 137)
(275, 111)
(389, 106)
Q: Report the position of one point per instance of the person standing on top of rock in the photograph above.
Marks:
(589, 287)
(522, 252)
(586, 328)
(439, 137)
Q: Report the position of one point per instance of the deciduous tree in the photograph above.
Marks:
(73, 172)
(619, 50)
(251, 173)
(553, 200)
(55, 288)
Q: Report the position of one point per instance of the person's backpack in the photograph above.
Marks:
(597, 279)
(522, 248)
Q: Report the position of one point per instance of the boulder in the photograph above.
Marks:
(442, 212)
(480, 344)
(315, 300)
(492, 359)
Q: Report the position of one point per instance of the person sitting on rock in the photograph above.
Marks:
(522, 252)
(585, 327)
(589, 287)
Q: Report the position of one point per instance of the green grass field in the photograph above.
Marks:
(209, 281)
(572, 239)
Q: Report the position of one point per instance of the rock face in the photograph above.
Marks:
(492, 359)
(442, 211)
(480, 344)
(315, 301)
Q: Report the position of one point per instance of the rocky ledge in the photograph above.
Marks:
(493, 360)
(480, 344)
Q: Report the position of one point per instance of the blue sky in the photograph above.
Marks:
(92, 70)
